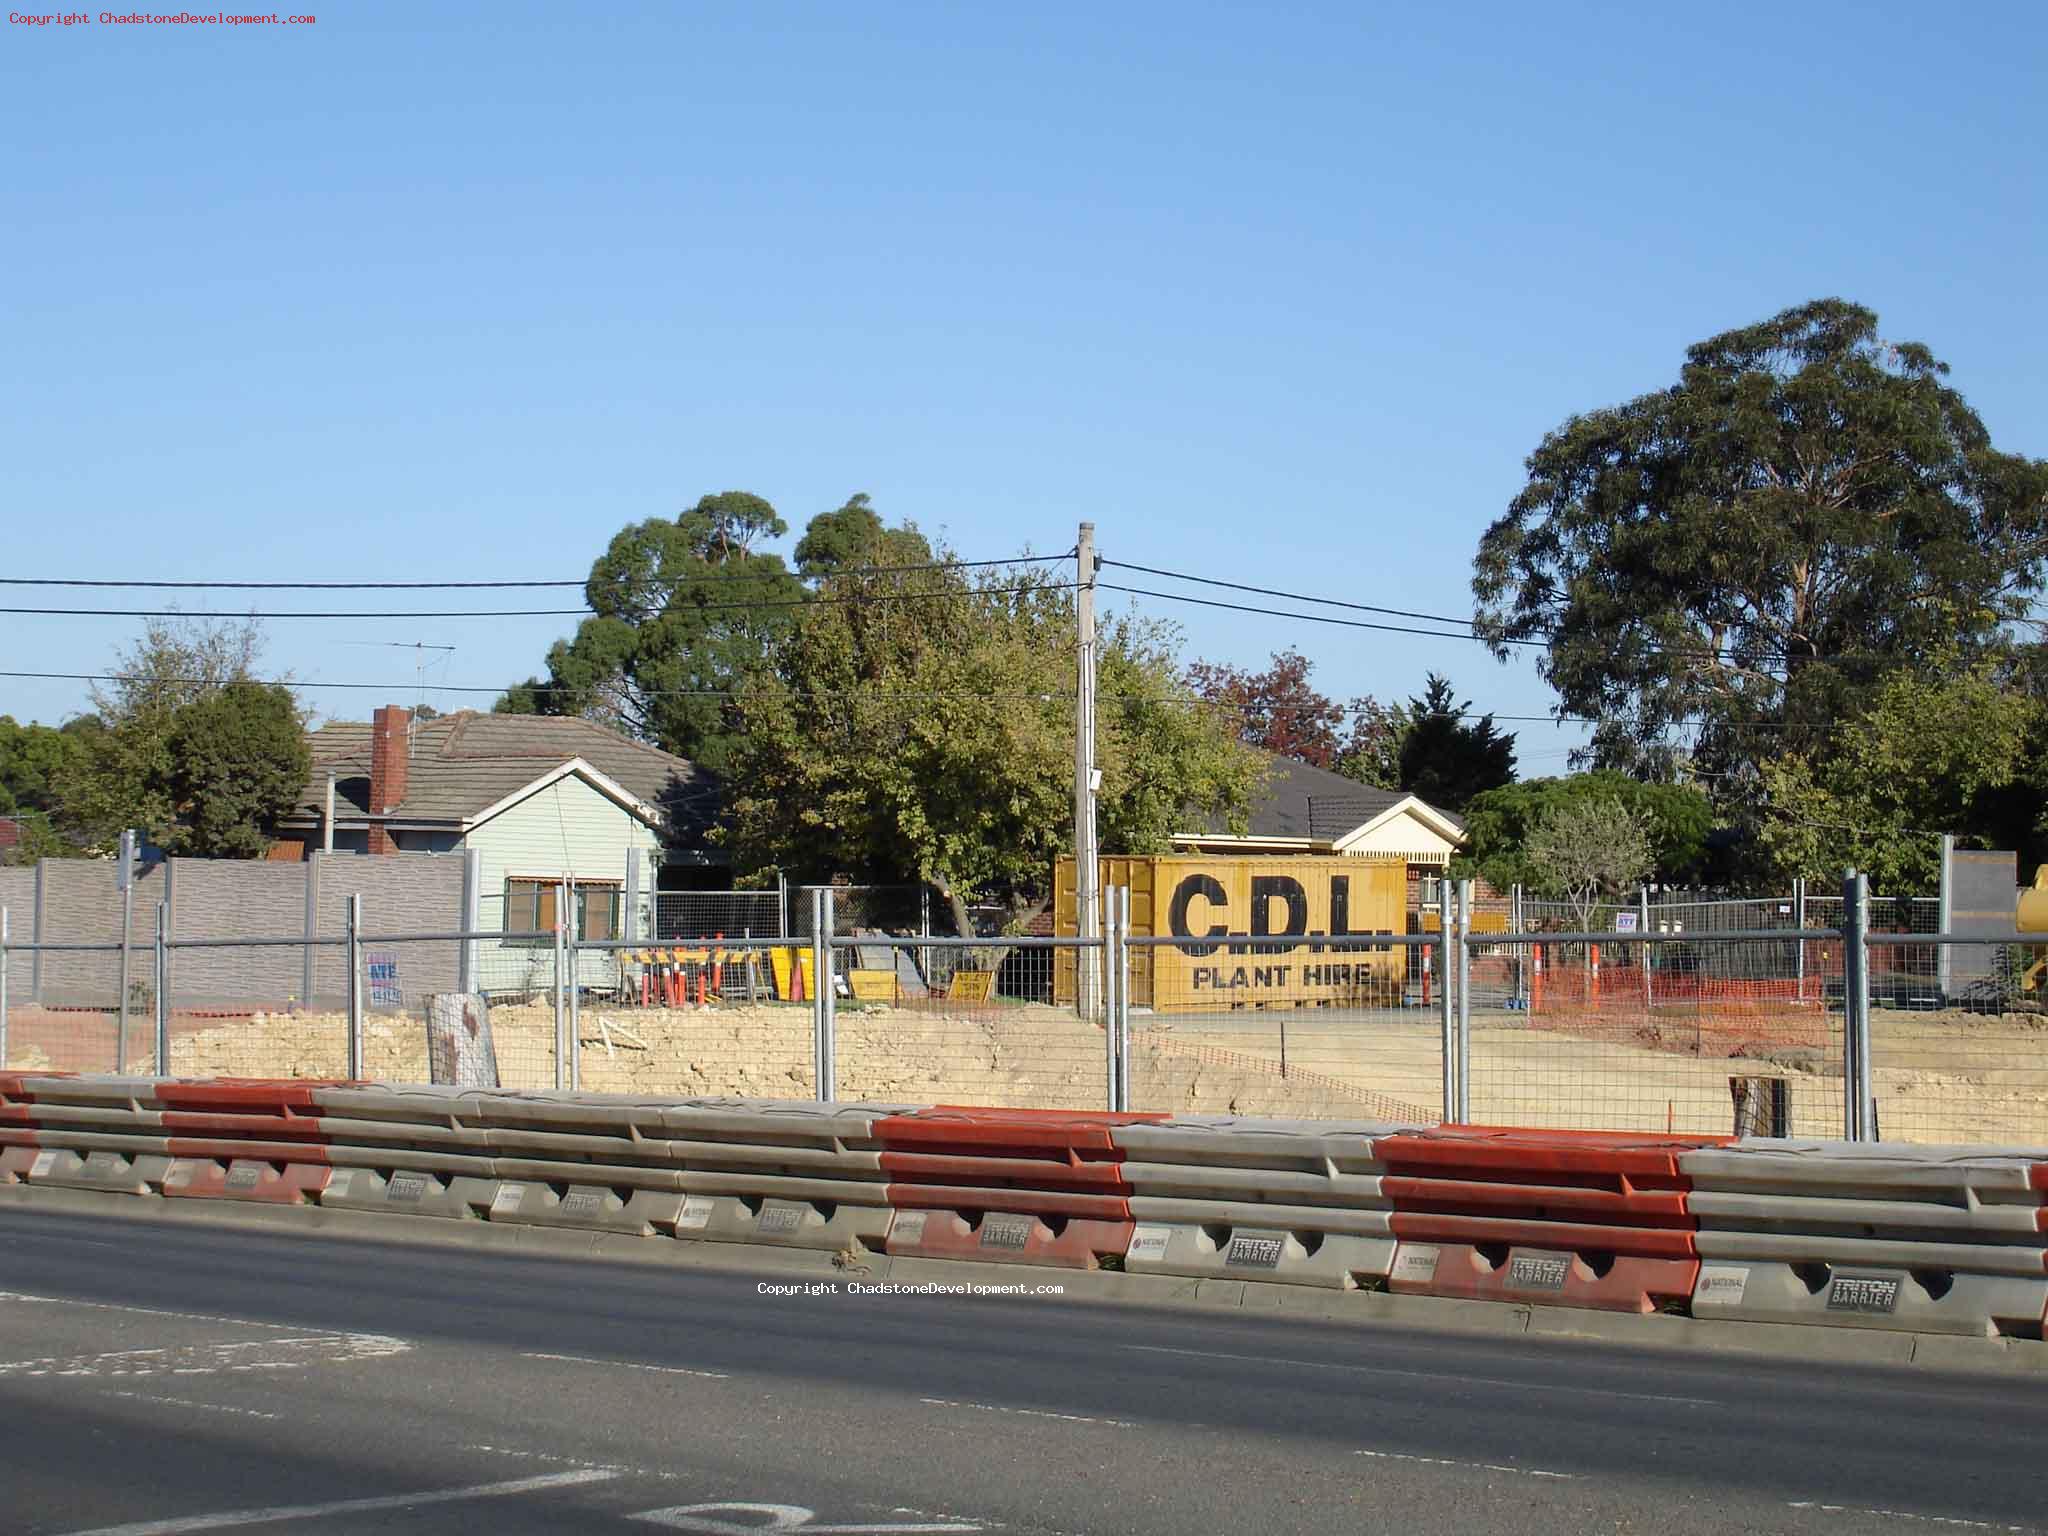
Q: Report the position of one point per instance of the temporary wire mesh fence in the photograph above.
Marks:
(1962, 1058)
(1690, 1026)
(981, 1021)
(1310, 1029)
(62, 1008)
(1664, 1033)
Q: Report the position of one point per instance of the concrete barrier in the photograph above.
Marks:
(1919, 1239)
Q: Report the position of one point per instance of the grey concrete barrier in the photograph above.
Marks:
(1920, 1239)
(1291, 1201)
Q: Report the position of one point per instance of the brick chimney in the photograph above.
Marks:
(390, 757)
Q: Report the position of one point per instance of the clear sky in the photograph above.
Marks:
(1278, 293)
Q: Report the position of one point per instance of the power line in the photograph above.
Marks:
(486, 586)
(665, 693)
(1312, 618)
(1181, 701)
(1238, 586)
(535, 613)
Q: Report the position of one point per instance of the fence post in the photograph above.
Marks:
(924, 930)
(1520, 953)
(355, 988)
(1113, 1098)
(161, 971)
(1123, 989)
(1858, 1108)
(1447, 1005)
(1944, 953)
(35, 936)
(824, 1006)
(3, 989)
(1799, 923)
(125, 876)
(561, 968)
(574, 957)
(469, 977)
(1643, 950)
(312, 929)
(1464, 1116)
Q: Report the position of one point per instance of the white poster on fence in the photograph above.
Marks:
(459, 1049)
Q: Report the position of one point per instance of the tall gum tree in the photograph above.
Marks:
(1750, 551)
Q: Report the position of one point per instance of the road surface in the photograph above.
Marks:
(157, 1380)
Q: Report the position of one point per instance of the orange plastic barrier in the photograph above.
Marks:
(1007, 1185)
(1007, 1237)
(1585, 1219)
(245, 1178)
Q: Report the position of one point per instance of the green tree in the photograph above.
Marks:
(35, 763)
(1371, 747)
(187, 746)
(1754, 548)
(1589, 850)
(683, 611)
(127, 759)
(1679, 817)
(920, 726)
(238, 761)
(853, 537)
(1447, 757)
(1954, 747)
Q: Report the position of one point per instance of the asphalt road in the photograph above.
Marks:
(165, 1379)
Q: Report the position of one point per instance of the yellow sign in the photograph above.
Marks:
(972, 987)
(1327, 907)
(873, 986)
(792, 968)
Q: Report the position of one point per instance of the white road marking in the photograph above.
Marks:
(1476, 1466)
(703, 1519)
(1900, 1514)
(111, 1306)
(1438, 1376)
(627, 1365)
(1029, 1413)
(214, 1359)
(63, 1237)
(550, 1459)
(186, 1402)
(283, 1512)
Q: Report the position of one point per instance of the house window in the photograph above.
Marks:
(530, 908)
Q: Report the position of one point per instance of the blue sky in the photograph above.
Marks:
(1282, 294)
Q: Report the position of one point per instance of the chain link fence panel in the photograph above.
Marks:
(1320, 1029)
(1672, 1032)
(1964, 1065)
(71, 1021)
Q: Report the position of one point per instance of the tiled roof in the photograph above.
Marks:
(1302, 800)
(462, 764)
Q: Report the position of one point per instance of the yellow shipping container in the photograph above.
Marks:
(1197, 896)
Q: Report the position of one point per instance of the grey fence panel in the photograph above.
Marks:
(81, 905)
(239, 899)
(402, 893)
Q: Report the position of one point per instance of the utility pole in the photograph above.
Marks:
(1088, 966)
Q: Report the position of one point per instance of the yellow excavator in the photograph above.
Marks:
(2032, 917)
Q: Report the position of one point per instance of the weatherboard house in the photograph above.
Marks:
(1308, 810)
(538, 799)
